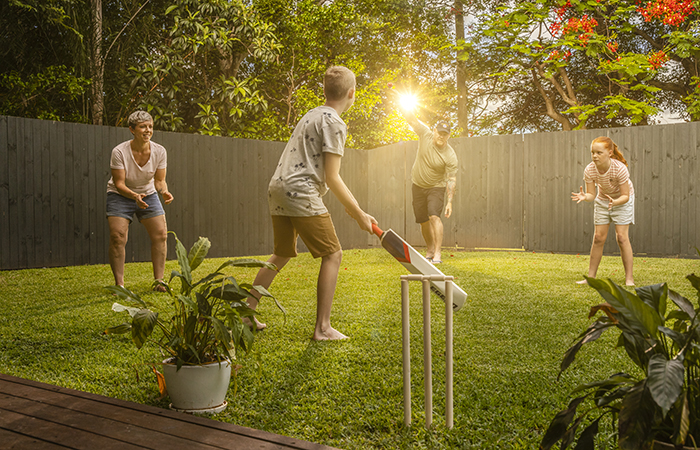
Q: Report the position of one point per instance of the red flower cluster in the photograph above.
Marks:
(563, 8)
(556, 54)
(556, 26)
(658, 59)
(612, 46)
(585, 25)
(670, 12)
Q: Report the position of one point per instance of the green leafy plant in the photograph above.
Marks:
(664, 403)
(207, 319)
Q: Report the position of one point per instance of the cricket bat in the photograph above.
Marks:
(417, 264)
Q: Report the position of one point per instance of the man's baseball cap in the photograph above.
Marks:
(443, 127)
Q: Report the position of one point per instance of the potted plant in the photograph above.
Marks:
(203, 330)
(660, 406)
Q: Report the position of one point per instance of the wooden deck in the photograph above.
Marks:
(41, 416)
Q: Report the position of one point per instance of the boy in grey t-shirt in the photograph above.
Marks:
(308, 168)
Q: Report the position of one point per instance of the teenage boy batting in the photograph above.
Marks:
(309, 166)
(434, 172)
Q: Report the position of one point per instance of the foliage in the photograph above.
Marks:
(589, 63)
(664, 344)
(207, 315)
(399, 41)
(53, 94)
(37, 35)
(199, 77)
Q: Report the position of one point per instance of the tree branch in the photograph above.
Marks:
(551, 110)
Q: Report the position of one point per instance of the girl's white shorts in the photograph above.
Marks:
(619, 215)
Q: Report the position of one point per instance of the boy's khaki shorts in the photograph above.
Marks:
(317, 232)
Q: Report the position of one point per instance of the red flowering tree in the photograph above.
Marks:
(591, 63)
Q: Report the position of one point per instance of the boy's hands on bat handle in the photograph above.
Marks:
(364, 220)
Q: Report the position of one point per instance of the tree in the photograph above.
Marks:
(37, 77)
(96, 63)
(589, 62)
(200, 77)
(406, 42)
(59, 43)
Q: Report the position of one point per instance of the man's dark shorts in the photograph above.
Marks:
(427, 202)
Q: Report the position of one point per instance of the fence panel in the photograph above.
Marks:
(512, 192)
(4, 195)
(387, 171)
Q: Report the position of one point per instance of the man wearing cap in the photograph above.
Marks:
(434, 174)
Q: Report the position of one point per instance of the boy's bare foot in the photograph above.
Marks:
(582, 282)
(331, 334)
(259, 326)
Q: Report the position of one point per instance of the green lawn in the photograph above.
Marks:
(522, 313)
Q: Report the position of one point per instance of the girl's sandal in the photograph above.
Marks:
(159, 287)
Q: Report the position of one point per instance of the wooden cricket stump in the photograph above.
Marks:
(427, 351)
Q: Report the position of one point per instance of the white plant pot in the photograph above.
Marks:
(198, 389)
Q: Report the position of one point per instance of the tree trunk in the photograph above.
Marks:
(96, 64)
(462, 117)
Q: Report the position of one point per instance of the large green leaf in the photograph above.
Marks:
(665, 381)
(118, 329)
(125, 294)
(682, 303)
(117, 307)
(221, 331)
(681, 420)
(247, 338)
(570, 434)
(230, 291)
(188, 302)
(247, 262)
(265, 293)
(560, 424)
(186, 285)
(142, 326)
(655, 295)
(591, 334)
(611, 400)
(637, 348)
(203, 305)
(636, 418)
(198, 252)
(678, 338)
(608, 384)
(695, 281)
(183, 260)
(212, 278)
(587, 439)
(640, 316)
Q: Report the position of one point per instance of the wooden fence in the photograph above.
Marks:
(512, 192)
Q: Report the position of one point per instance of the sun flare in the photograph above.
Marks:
(408, 101)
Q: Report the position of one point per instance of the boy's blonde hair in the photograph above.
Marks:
(337, 81)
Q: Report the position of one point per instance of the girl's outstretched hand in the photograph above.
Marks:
(578, 197)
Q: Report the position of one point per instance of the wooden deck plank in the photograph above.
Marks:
(31, 410)
(92, 431)
(48, 430)
(16, 441)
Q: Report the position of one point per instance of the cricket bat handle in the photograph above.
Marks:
(378, 231)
